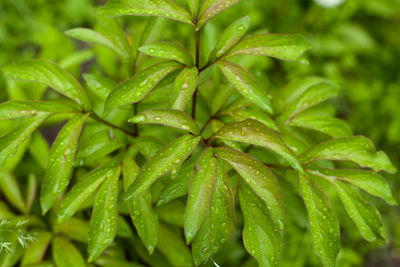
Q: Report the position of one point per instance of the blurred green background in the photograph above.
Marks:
(356, 43)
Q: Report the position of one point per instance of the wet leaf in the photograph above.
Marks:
(65, 254)
(255, 114)
(99, 85)
(185, 85)
(130, 170)
(168, 51)
(211, 8)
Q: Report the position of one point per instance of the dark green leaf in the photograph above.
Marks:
(211, 8)
(168, 51)
(185, 85)
(65, 254)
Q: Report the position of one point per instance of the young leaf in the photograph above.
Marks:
(215, 126)
(35, 252)
(230, 37)
(169, 117)
(211, 8)
(261, 180)
(65, 254)
(103, 225)
(184, 87)
(168, 51)
(200, 193)
(50, 74)
(161, 163)
(358, 149)
(325, 233)
(136, 88)
(255, 114)
(256, 133)
(10, 142)
(60, 161)
(281, 46)
(245, 83)
(261, 236)
(11, 190)
(160, 8)
(193, 7)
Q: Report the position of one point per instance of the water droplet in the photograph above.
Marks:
(240, 28)
(157, 118)
(244, 131)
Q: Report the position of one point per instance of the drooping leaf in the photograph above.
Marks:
(184, 87)
(211, 8)
(261, 235)
(161, 163)
(160, 8)
(324, 228)
(357, 149)
(169, 117)
(65, 254)
(50, 74)
(10, 189)
(255, 114)
(256, 133)
(36, 251)
(245, 84)
(168, 51)
(60, 161)
(136, 88)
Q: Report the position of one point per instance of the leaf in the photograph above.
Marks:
(39, 149)
(169, 117)
(99, 85)
(256, 133)
(324, 227)
(261, 180)
(218, 225)
(10, 142)
(160, 8)
(185, 85)
(200, 193)
(281, 46)
(255, 114)
(215, 126)
(357, 149)
(369, 181)
(161, 163)
(136, 88)
(261, 236)
(245, 83)
(65, 254)
(172, 213)
(30, 192)
(130, 170)
(50, 74)
(74, 228)
(230, 37)
(221, 97)
(211, 8)
(10, 189)
(35, 252)
(193, 7)
(103, 225)
(327, 125)
(60, 161)
(170, 51)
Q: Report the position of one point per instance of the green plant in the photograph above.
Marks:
(252, 142)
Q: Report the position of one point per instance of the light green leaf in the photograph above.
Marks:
(130, 170)
(261, 180)
(168, 51)
(103, 225)
(194, 6)
(215, 126)
(357, 149)
(74, 228)
(35, 252)
(39, 149)
(50, 74)
(200, 193)
(169, 117)
(230, 37)
(261, 236)
(281, 46)
(211, 8)
(255, 114)
(99, 85)
(10, 189)
(324, 227)
(31, 188)
(65, 254)
(160, 8)
(185, 85)
(136, 88)
(256, 133)
(161, 163)
(60, 161)
(245, 83)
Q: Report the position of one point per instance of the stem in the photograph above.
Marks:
(197, 47)
(97, 118)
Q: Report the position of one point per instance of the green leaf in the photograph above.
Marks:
(261, 236)
(50, 74)
(10, 142)
(365, 216)
(74, 228)
(39, 149)
(245, 83)
(327, 125)
(369, 181)
(211, 8)
(31, 188)
(11, 190)
(261, 180)
(230, 37)
(65, 254)
(221, 98)
(172, 213)
(36, 251)
(99, 85)
(256, 133)
(255, 114)
(218, 225)
(169, 117)
(103, 225)
(185, 85)
(324, 227)
(136, 88)
(281, 46)
(170, 51)
(200, 193)
(130, 170)
(215, 126)
(60, 161)
(160, 8)
(194, 6)
(161, 163)
(357, 149)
